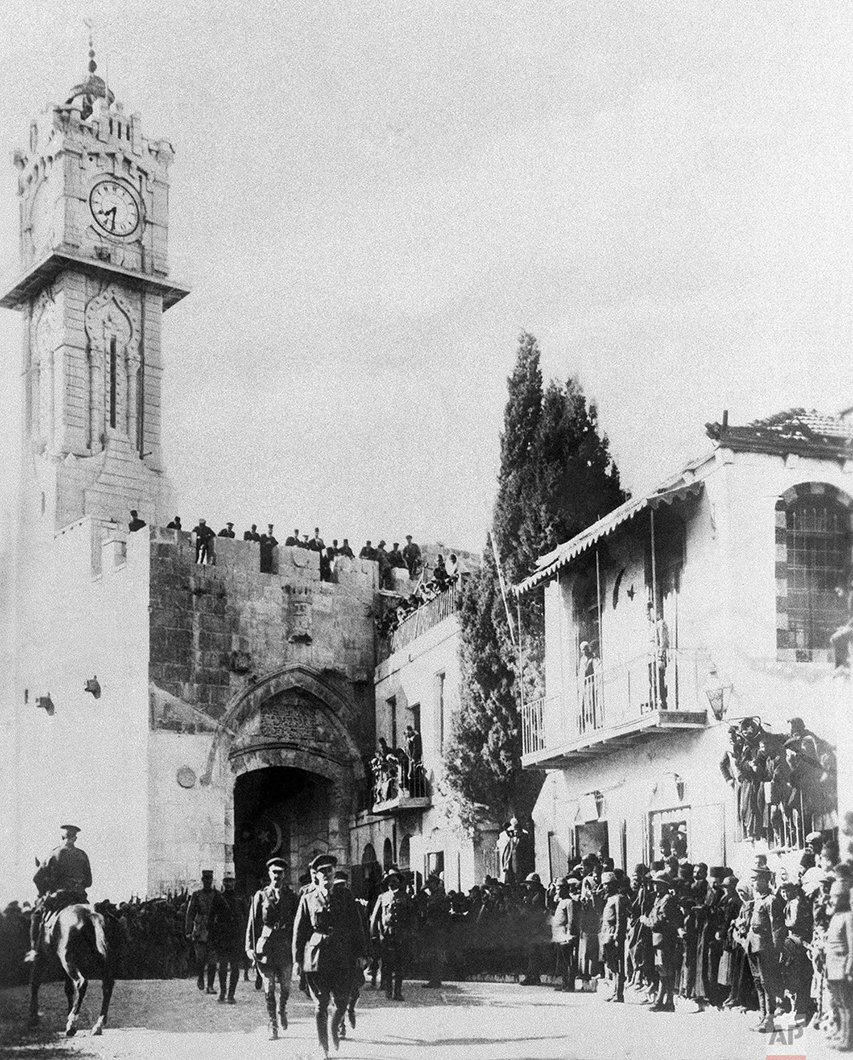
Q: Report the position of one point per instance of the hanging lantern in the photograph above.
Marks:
(718, 690)
(45, 703)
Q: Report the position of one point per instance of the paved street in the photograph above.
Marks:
(477, 1021)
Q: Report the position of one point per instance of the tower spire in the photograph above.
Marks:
(94, 87)
(93, 66)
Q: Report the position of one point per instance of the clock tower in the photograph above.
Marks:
(94, 200)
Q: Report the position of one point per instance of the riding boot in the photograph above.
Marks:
(271, 1009)
(223, 968)
(322, 1019)
(282, 1012)
(211, 978)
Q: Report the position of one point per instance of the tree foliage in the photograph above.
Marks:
(556, 478)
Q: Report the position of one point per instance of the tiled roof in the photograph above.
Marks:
(803, 431)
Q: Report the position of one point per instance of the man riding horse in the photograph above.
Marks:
(62, 879)
(66, 927)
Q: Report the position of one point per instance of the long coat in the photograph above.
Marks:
(270, 925)
(328, 933)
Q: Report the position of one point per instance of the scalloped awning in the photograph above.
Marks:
(563, 554)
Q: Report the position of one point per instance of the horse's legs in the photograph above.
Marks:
(108, 983)
(80, 983)
(69, 992)
(35, 982)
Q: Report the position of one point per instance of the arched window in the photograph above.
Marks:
(404, 859)
(813, 568)
(387, 854)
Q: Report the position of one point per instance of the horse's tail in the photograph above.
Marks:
(101, 945)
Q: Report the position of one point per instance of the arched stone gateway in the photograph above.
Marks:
(284, 755)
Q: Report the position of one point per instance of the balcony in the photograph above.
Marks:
(392, 798)
(426, 617)
(613, 707)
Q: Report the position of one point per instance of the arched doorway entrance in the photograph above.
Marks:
(279, 812)
(285, 760)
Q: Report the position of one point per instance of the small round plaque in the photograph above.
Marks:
(186, 777)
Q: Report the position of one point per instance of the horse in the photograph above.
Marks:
(78, 937)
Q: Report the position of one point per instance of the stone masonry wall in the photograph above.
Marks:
(215, 630)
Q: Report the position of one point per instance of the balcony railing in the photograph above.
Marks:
(411, 793)
(533, 726)
(642, 692)
(419, 622)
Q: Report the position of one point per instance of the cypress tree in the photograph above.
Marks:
(556, 478)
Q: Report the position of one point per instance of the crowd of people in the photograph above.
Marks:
(408, 558)
(784, 785)
(672, 934)
(395, 768)
(443, 576)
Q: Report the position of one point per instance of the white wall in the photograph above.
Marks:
(91, 756)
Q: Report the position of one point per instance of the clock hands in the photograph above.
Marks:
(106, 213)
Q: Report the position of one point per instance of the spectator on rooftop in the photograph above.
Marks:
(345, 550)
(412, 556)
(268, 543)
(453, 568)
(293, 540)
(316, 544)
(395, 557)
(174, 525)
(204, 538)
(368, 552)
(440, 575)
(252, 535)
(327, 565)
(227, 531)
(135, 522)
(305, 543)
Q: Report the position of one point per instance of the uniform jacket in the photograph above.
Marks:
(392, 917)
(665, 919)
(327, 933)
(227, 922)
(766, 931)
(270, 926)
(202, 906)
(614, 920)
(566, 923)
(839, 947)
(65, 869)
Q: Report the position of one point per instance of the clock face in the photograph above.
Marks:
(114, 208)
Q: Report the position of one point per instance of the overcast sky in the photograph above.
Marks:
(372, 200)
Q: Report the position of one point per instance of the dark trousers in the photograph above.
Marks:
(229, 971)
(394, 954)
(205, 959)
(322, 988)
(768, 981)
(613, 956)
(567, 963)
(277, 970)
(797, 977)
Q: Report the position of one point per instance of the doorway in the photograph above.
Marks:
(278, 812)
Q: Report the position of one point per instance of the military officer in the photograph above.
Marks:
(226, 933)
(664, 920)
(391, 927)
(269, 934)
(202, 906)
(613, 933)
(328, 943)
(62, 879)
(764, 940)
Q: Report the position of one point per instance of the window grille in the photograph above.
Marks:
(818, 564)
